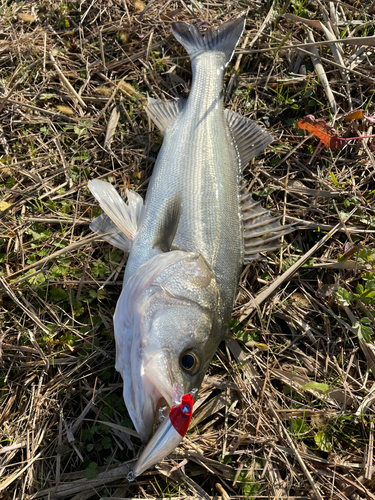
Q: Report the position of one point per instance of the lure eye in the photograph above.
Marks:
(189, 361)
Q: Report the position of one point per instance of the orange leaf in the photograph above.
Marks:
(322, 130)
(356, 115)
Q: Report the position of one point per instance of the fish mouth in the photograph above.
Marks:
(152, 387)
(158, 372)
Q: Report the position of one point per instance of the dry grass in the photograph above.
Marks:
(287, 409)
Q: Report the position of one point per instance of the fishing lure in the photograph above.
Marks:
(170, 433)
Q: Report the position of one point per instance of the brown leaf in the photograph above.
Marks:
(111, 127)
(321, 129)
(356, 115)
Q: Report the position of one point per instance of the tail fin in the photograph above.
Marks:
(224, 39)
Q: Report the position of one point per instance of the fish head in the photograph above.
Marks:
(163, 327)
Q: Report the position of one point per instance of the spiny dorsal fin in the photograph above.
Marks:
(262, 232)
(163, 113)
(120, 219)
(250, 139)
(167, 224)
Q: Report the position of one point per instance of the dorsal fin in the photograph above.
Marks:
(163, 113)
(250, 139)
(262, 232)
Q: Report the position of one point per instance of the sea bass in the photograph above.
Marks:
(189, 240)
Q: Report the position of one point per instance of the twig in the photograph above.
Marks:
(321, 73)
(299, 458)
(66, 82)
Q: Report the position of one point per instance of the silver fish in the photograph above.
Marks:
(189, 240)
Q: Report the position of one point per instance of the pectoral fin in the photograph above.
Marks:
(105, 226)
(250, 139)
(167, 224)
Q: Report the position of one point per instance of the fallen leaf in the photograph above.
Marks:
(321, 129)
(327, 134)
(261, 347)
(356, 115)
(349, 250)
(359, 115)
(4, 205)
(315, 385)
(111, 127)
(323, 441)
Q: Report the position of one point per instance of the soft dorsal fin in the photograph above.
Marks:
(262, 232)
(121, 220)
(163, 113)
(250, 139)
(167, 223)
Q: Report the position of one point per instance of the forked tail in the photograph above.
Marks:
(224, 39)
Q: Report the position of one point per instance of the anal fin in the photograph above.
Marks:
(262, 232)
(250, 139)
(164, 113)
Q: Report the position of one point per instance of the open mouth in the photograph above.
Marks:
(152, 389)
(161, 411)
(158, 372)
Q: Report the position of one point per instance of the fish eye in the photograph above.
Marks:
(189, 361)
